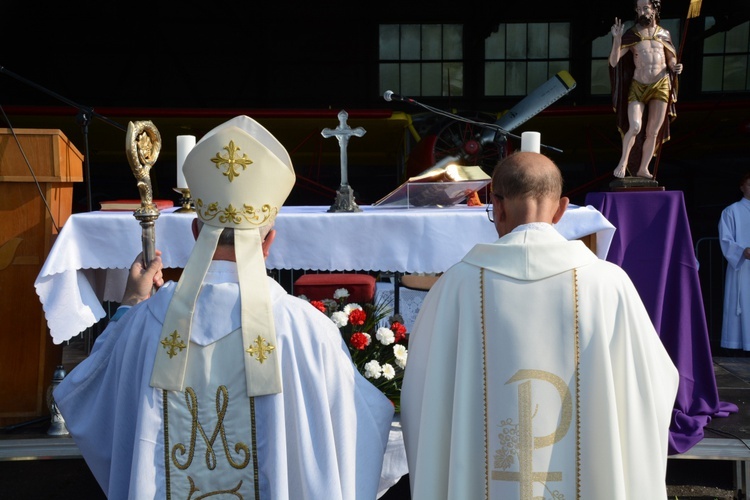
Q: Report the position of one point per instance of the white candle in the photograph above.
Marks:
(184, 144)
(530, 141)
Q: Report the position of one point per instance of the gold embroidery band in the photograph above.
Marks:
(526, 443)
(232, 215)
(484, 385)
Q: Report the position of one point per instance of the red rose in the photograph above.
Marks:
(320, 306)
(357, 317)
(359, 341)
(399, 331)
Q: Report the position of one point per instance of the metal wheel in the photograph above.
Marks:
(465, 141)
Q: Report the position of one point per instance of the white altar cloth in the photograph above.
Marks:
(89, 261)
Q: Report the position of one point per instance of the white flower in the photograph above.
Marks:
(340, 293)
(401, 354)
(340, 318)
(388, 371)
(350, 307)
(369, 338)
(385, 336)
(373, 369)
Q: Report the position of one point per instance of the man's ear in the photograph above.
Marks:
(561, 208)
(501, 213)
(266, 245)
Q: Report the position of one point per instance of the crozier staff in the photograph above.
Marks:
(142, 147)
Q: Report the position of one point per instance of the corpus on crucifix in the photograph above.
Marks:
(345, 195)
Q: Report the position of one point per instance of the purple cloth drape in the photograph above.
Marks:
(654, 245)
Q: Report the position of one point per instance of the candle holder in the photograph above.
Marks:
(57, 422)
(186, 201)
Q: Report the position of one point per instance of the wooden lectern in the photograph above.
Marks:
(27, 231)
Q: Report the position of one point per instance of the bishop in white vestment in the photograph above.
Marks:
(323, 436)
(223, 385)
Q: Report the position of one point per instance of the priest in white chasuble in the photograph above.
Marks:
(534, 369)
(223, 385)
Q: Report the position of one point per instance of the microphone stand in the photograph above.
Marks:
(493, 126)
(83, 118)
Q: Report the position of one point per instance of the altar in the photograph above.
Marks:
(89, 262)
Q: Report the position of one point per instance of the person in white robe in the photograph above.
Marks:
(222, 384)
(534, 370)
(734, 239)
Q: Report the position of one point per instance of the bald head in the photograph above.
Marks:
(528, 188)
(527, 175)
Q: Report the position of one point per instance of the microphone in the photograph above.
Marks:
(390, 96)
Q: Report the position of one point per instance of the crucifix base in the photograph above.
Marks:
(345, 200)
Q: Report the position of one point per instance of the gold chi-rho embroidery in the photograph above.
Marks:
(518, 440)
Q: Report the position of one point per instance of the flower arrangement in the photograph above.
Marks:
(379, 352)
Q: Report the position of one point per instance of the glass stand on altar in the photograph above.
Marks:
(426, 194)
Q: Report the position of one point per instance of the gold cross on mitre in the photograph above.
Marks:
(231, 161)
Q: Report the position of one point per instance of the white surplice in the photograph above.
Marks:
(324, 436)
(493, 399)
(734, 237)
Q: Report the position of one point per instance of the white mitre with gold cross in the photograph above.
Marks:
(239, 175)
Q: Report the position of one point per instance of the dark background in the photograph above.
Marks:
(190, 66)
(89, 68)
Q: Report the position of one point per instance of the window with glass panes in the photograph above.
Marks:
(422, 59)
(519, 57)
(726, 58)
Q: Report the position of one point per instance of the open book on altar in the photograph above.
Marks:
(444, 186)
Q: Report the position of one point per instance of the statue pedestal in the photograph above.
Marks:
(631, 183)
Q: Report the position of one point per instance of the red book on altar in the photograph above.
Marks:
(127, 204)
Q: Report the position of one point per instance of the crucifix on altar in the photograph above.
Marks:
(345, 194)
